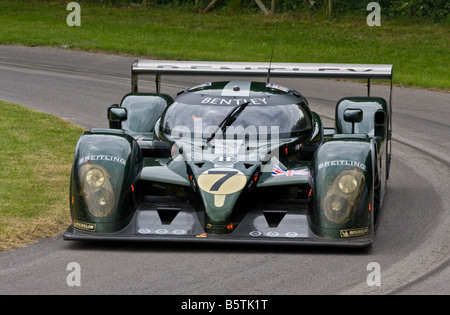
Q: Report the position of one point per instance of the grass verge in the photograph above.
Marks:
(419, 51)
(36, 159)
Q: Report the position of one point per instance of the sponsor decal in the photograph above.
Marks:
(343, 163)
(100, 157)
(277, 87)
(354, 232)
(278, 171)
(233, 101)
(273, 234)
(162, 231)
(84, 226)
(251, 68)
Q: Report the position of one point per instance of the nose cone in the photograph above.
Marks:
(220, 188)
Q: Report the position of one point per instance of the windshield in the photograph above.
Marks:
(255, 120)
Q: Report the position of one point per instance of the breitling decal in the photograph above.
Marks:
(101, 157)
(343, 163)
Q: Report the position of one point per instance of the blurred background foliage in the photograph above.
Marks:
(424, 10)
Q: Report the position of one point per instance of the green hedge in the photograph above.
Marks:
(431, 10)
(426, 10)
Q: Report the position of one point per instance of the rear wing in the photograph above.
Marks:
(255, 69)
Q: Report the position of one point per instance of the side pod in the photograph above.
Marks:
(106, 165)
(342, 195)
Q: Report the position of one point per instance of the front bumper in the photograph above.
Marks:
(180, 223)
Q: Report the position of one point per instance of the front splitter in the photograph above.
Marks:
(181, 224)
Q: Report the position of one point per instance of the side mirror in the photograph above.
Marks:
(353, 115)
(116, 115)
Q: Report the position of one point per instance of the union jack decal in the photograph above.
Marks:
(278, 171)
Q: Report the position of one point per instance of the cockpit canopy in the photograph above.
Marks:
(237, 108)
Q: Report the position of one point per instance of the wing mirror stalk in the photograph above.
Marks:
(353, 115)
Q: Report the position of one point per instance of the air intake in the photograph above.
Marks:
(167, 215)
(274, 217)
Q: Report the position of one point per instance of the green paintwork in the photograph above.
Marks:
(338, 154)
(143, 160)
(120, 155)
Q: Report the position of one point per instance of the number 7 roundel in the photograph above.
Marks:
(222, 181)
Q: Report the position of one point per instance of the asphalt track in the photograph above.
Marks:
(411, 245)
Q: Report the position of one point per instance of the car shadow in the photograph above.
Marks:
(198, 247)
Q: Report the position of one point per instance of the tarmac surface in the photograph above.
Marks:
(411, 246)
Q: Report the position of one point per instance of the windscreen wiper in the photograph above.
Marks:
(229, 120)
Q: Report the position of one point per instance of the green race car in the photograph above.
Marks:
(234, 161)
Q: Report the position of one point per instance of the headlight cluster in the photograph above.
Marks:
(343, 196)
(97, 190)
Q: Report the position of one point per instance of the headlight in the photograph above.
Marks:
(336, 209)
(97, 190)
(348, 183)
(95, 177)
(342, 196)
